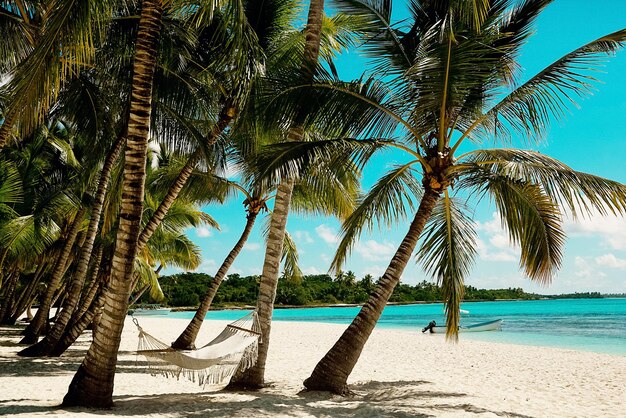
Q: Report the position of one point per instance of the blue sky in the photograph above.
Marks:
(592, 139)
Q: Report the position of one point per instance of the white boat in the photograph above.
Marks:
(495, 325)
(149, 312)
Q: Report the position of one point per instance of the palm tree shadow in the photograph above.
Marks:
(381, 399)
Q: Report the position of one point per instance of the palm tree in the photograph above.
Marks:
(254, 204)
(442, 78)
(93, 383)
(254, 377)
(53, 42)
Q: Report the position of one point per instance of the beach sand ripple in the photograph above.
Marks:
(400, 374)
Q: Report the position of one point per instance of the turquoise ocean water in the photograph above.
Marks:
(597, 325)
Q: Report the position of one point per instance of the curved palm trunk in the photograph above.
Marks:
(139, 294)
(87, 297)
(75, 330)
(225, 117)
(82, 318)
(168, 200)
(43, 347)
(186, 340)
(28, 295)
(332, 372)
(9, 311)
(254, 377)
(7, 296)
(92, 384)
(33, 330)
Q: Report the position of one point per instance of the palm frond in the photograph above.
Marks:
(447, 252)
(65, 46)
(326, 191)
(290, 258)
(22, 237)
(528, 108)
(532, 219)
(579, 193)
(385, 204)
(294, 159)
(11, 190)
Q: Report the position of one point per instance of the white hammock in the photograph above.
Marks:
(234, 349)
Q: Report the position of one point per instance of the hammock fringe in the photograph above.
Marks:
(212, 366)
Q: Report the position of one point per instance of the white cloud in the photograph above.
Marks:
(492, 226)
(488, 254)
(303, 237)
(203, 232)
(252, 246)
(311, 270)
(327, 233)
(611, 229)
(375, 271)
(609, 260)
(208, 266)
(375, 251)
(583, 268)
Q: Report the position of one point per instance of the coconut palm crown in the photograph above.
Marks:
(449, 77)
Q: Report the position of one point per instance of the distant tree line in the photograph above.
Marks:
(187, 289)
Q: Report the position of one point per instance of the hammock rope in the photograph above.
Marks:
(214, 364)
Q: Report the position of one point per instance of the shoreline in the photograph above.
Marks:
(353, 305)
(400, 373)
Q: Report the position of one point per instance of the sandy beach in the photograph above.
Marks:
(400, 374)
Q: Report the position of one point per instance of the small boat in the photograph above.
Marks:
(149, 311)
(495, 325)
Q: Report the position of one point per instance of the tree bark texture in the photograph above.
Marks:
(93, 383)
(44, 347)
(331, 373)
(187, 339)
(33, 330)
(254, 377)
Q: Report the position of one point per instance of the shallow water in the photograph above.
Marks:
(597, 325)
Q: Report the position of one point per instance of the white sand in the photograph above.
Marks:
(400, 374)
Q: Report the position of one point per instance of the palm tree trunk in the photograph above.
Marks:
(332, 372)
(87, 297)
(83, 317)
(254, 377)
(225, 117)
(168, 200)
(74, 331)
(28, 294)
(186, 340)
(7, 296)
(139, 294)
(70, 304)
(32, 332)
(93, 383)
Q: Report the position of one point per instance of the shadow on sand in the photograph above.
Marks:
(373, 399)
(401, 399)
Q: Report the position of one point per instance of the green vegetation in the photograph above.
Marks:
(186, 289)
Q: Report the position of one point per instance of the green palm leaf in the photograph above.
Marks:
(533, 222)
(447, 252)
(11, 190)
(386, 203)
(528, 108)
(290, 258)
(573, 190)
